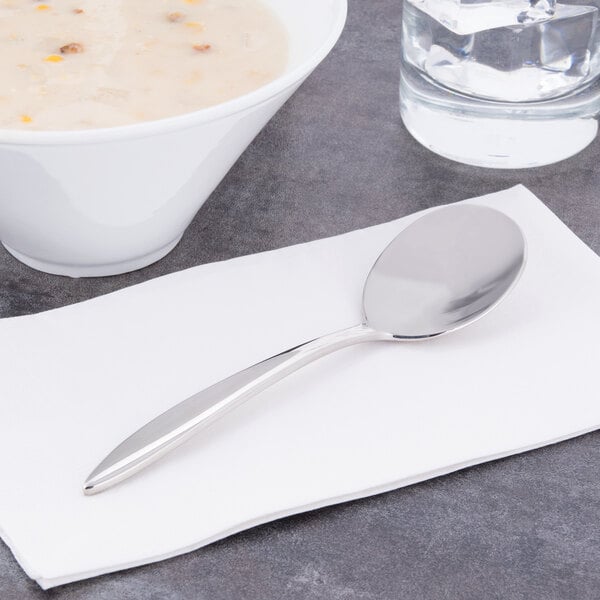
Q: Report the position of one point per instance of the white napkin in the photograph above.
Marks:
(74, 382)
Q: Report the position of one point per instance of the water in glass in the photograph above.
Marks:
(501, 83)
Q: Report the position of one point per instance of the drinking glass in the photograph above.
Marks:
(501, 83)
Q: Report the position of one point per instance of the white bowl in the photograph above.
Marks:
(107, 201)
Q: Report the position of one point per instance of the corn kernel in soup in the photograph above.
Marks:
(79, 64)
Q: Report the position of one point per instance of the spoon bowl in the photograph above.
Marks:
(445, 270)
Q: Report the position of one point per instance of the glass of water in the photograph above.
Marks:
(501, 83)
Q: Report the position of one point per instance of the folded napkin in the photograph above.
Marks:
(75, 381)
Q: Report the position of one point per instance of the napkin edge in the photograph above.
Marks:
(47, 583)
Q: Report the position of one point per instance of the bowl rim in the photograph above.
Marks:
(187, 120)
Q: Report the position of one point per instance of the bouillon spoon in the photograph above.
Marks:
(442, 272)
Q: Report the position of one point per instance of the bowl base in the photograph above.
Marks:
(105, 270)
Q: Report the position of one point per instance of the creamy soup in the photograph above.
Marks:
(76, 64)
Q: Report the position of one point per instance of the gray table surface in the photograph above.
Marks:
(334, 159)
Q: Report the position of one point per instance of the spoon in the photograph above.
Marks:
(442, 272)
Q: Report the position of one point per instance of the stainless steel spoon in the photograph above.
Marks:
(442, 272)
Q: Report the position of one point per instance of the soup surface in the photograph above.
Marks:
(79, 64)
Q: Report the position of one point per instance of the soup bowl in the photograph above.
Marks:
(107, 201)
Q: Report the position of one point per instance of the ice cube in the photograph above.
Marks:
(519, 63)
(469, 16)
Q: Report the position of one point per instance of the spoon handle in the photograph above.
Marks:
(185, 419)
